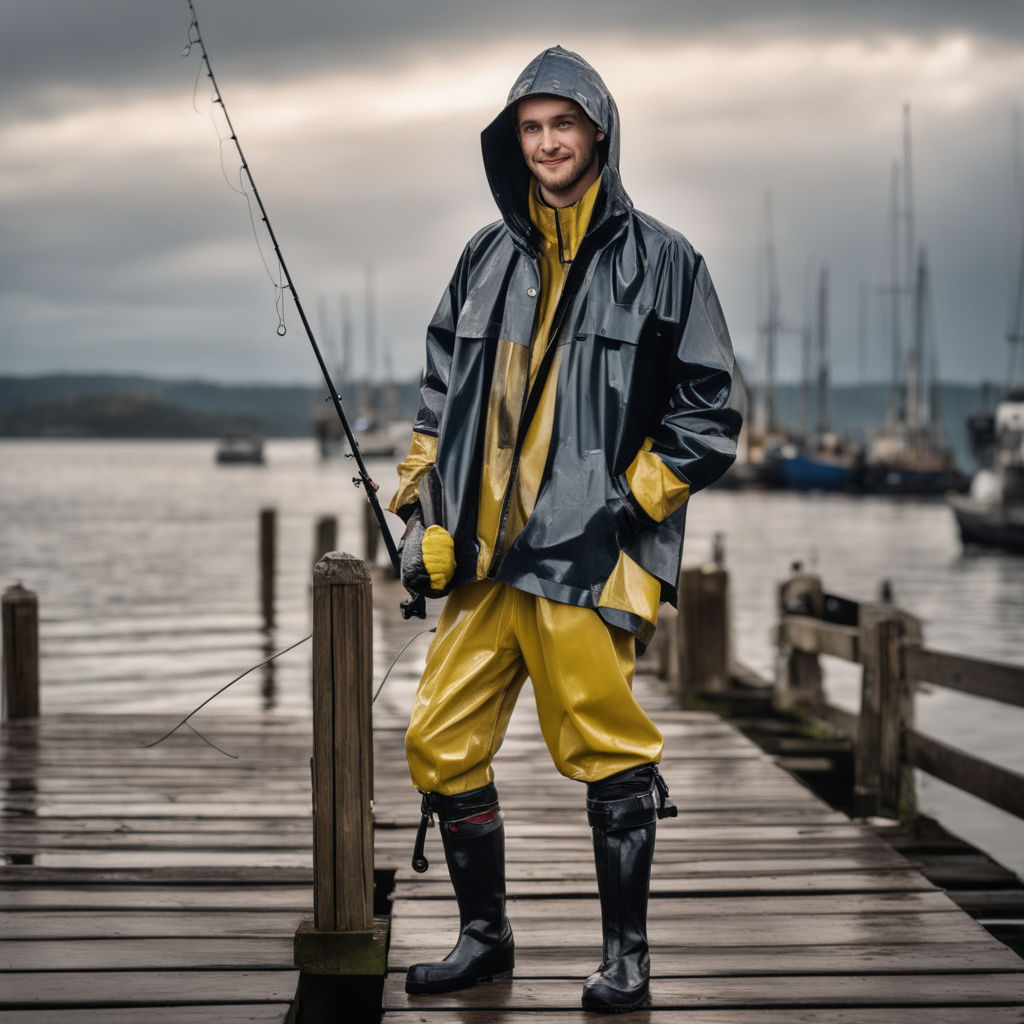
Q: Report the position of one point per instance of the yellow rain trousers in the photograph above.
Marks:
(489, 639)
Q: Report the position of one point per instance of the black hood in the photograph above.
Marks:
(555, 72)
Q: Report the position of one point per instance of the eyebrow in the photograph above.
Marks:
(561, 114)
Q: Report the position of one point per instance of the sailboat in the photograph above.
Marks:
(910, 453)
(826, 461)
(766, 436)
(373, 426)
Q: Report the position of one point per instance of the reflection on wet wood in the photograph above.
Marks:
(145, 881)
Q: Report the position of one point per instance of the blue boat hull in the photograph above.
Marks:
(803, 473)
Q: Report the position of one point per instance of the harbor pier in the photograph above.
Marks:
(168, 883)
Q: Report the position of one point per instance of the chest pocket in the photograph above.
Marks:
(477, 321)
(611, 323)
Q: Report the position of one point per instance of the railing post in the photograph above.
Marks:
(371, 536)
(325, 537)
(268, 558)
(798, 673)
(883, 779)
(702, 630)
(21, 653)
(341, 952)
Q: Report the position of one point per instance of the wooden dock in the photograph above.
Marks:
(158, 884)
(166, 884)
(767, 906)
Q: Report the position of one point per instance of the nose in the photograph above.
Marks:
(549, 141)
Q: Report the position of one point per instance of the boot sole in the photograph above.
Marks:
(600, 1006)
(453, 985)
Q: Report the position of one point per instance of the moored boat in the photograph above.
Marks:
(992, 512)
(240, 448)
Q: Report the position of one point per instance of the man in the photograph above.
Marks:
(577, 374)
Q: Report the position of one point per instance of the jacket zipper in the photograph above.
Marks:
(530, 406)
(558, 235)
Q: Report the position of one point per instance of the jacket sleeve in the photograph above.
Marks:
(422, 455)
(694, 442)
(433, 393)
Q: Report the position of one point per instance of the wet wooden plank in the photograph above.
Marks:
(925, 957)
(27, 990)
(669, 929)
(146, 923)
(693, 908)
(170, 897)
(907, 1015)
(805, 881)
(790, 991)
(219, 1013)
(133, 954)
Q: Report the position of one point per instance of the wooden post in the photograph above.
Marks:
(798, 673)
(344, 946)
(371, 534)
(268, 558)
(325, 537)
(883, 779)
(702, 627)
(874, 638)
(342, 744)
(21, 653)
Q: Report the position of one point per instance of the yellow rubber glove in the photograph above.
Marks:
(438, 552)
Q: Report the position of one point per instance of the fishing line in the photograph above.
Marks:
(405, 647)
(185, 721)
(210, 743)
(217, 693)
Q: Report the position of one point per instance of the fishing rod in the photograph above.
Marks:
(416, 605)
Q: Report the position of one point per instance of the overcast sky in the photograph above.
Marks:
(125, 249)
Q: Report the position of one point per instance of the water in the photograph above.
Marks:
(144, 556)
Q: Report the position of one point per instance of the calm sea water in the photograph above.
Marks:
(144, 558)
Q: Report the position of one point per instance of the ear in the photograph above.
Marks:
(600, 135)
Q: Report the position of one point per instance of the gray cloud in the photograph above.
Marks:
(124, 248)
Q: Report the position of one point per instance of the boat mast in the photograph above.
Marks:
(770, 324)
(824, 392)
(913, 284)
(896, 404)
(1015, 325)
(369, 402)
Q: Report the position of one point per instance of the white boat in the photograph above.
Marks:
(992, 512)
(240, 448)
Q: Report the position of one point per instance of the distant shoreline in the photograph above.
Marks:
(104, 406)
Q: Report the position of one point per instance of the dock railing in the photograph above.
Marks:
(887, 642)
(694, 654)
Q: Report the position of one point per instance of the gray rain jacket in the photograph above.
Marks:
(644, 352)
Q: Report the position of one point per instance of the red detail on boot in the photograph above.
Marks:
(482, 819)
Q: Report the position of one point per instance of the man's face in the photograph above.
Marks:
(559, 145)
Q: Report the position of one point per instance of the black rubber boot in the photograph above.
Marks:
(474, 845)
(622, 811)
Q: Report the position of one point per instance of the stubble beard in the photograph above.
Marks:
(577, 170)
